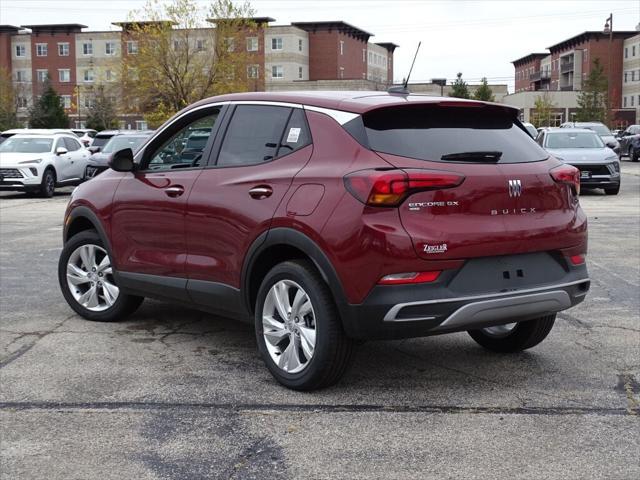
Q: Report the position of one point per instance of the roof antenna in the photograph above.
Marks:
(403, 90)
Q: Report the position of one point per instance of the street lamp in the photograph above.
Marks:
(608, 28)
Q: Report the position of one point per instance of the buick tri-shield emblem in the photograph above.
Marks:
(515, 188)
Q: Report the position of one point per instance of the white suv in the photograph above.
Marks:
(37, 163)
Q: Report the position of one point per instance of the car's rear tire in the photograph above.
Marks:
(612, 191)
(85, 266)
(48, 183)
(634, 154)
(521, 336)
(308, 349)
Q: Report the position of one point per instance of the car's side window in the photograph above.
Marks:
(185, 146)
(59, 144)
(254, 135)
(296, 134)
(71, 144)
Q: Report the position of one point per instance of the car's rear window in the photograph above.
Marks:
(483, 134)
(100, 140)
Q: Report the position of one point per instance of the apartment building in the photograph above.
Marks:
(631, 75)
(300, 56)
(565, 68)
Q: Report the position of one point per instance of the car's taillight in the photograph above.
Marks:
(577, 259)
(567, 174)
(388, 188)
(408, 278)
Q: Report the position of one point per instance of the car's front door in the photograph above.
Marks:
(62, 162)
(234, 200)
(147, 222)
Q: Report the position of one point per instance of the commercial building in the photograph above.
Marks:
(300, 56)
(563, 70)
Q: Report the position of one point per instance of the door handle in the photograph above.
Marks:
(174, 191)
(260, 192)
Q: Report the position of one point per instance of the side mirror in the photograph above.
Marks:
(122, 161)
(94, 149)
(61, 151)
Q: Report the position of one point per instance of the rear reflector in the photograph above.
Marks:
(389, 188)
(411, 277)
(577, 259)
(567, 174)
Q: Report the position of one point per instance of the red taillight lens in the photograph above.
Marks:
(577, 259)
(567, 174)
(388, 188)
(411, 277)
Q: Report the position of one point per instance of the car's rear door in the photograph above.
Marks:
(233, 201)
(78, 157)
(147, 221)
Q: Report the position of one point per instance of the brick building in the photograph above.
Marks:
(566, 67)
(303, 55)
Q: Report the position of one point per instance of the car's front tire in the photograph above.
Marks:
(48, 183)
(87, 281)
(514, 337)
(298, 328)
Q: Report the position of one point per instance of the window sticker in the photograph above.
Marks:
(294, 134)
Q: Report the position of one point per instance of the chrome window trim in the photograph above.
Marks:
(339, 116)
(393, 311)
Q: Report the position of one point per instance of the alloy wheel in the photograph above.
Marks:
(90, 278)
(500, 330)
(289, 326)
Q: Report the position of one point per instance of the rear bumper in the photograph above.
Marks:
(421, 310)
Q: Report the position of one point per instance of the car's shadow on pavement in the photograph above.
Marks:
(447, 363)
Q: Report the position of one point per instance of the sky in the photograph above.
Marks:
(477, 38)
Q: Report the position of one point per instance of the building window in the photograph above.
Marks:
(141, 125)
(41, 49)
(87, 48)
(42, 75)
(364, 57)
(625, 77)
(110, 48)
(626, 52)
(253, 71)
(277, 71)
(300, 73)
(624, 102)
(63, 49)
(89, 102)
(21, 76)
(21, 51)
(633, 51)
(132, 47)
(632, 98)
(109, 76)
(22, 102)
(88, 76)
(276, 43)
(341, 72)
(633, 75)
(65, 101)
(299, 44)
(230, 44)
(64, 75)
(200, 45)
(341, 47)
(252, 44)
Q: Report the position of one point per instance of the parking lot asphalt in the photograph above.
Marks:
(172, 393)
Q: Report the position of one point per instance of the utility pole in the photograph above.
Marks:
(608, 28)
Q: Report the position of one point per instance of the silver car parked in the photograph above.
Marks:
(584, 149)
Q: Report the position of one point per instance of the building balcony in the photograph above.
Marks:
(534, 77)
(540, 75)
(566, 88)
(566, 67)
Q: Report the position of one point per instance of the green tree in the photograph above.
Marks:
(544, 107)
(592, 100)
(8, 105)
(459, 88)
(102, 114)
(484, 92)
(47, 110)
(186, 52)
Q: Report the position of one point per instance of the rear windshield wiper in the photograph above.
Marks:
(478, 156)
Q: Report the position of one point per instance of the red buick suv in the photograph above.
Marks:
(329, 217)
